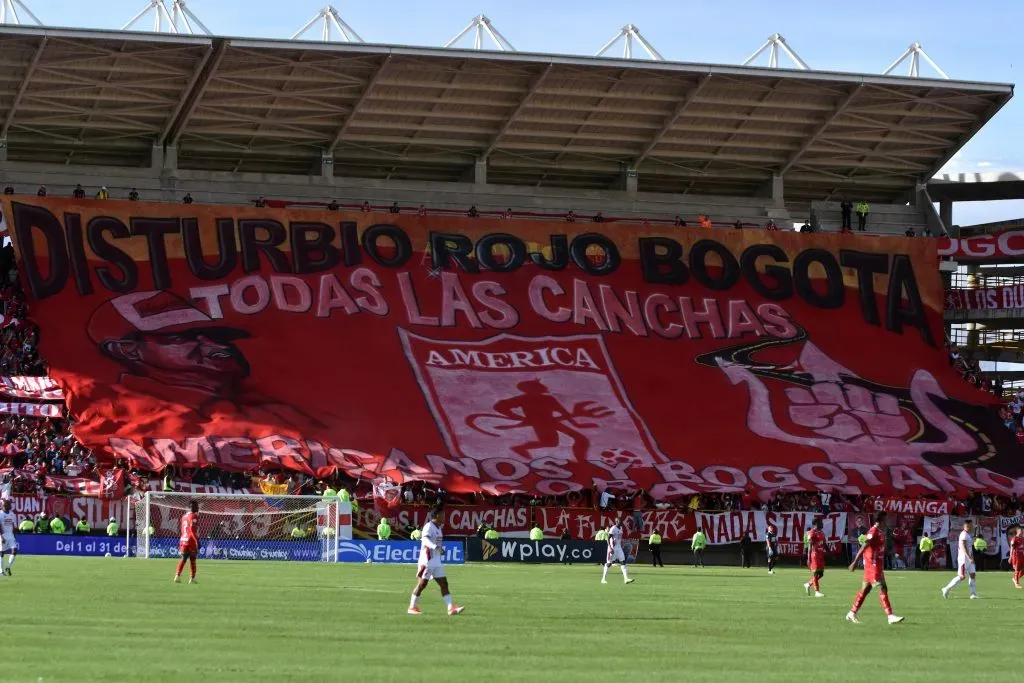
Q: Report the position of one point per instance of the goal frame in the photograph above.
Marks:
(329, 534)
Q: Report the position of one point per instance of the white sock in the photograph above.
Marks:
(448, 600)
(625, 574)
(10, 560)
(413, 601)
(604, 573)
(952, 584)
(974, 589)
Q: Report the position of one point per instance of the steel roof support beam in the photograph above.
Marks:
(671, 119)
(479, 26)
(774, 44)
(914, 53)
(840, 107)
(330, 17)
(523, 103)
(358, 104)
(9, 12)
(195, 94)
(196, 73)
(25, 80)
(628, 34)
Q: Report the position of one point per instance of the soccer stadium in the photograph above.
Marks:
(325, 357)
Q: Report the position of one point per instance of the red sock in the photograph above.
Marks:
(883, 598)
(859, 600)
(192, 566)
(181, 566)
(1016, 576)
(814, 583)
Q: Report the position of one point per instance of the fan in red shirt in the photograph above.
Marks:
(189, 544)
(1017, 555)
(873, 551)
(816, 559)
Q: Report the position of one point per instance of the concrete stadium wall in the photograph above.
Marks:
(229, 188)
(243, 188)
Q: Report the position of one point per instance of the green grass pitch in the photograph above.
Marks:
(112, 619)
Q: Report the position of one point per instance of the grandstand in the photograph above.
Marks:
(229, 119)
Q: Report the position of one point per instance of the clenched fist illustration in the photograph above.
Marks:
(847, 421)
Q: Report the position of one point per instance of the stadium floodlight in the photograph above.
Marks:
(329, 17)
(914, 53)
(9, 12)
(627, 34)
(179, 19)
(774, 45)
(481, 25)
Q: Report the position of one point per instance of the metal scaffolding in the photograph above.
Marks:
(627, 34)
(774, 45)
(179, 19)
(914, 53)
(9, 12)
(330, 18)
(481, 25)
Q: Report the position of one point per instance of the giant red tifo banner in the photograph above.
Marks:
(1001, 246)
(494, 355)
(1004, 297)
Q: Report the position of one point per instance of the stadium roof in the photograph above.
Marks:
(95, 97)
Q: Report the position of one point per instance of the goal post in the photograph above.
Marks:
(242, 526)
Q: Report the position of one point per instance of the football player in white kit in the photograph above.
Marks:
(431, 564)
(615, 553)
(8, 543)
(964, 561)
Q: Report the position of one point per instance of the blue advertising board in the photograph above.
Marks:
(82, 546)
(385, 552)
(395, 552)
(232, 549)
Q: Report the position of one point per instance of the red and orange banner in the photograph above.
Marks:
(498, 355)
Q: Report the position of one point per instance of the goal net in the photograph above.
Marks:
(242, 526)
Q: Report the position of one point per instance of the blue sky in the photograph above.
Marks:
(970, 41)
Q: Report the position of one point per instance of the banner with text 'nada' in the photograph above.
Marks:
(499, 355)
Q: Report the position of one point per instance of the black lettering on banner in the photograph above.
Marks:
(402, 246)
(446, 247)
(350, 244)
(76, 253)
(867, 265)
(559, 254)
(661, 261)
(155, 230)
(485, 252)
(253, 245)
(783, 288)
(312, 248)
(835, 291)
(699, 267)
(27, 219)
(582, 243)
(227, 251)
(128, 278)
(910, 312)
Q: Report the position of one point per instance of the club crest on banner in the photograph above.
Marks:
(525, 399)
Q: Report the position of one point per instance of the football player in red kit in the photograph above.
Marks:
(873, 551)
(189, 543)
(816, 559)
(1017, 555)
